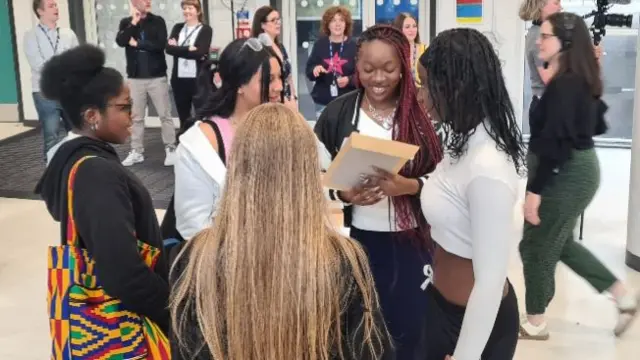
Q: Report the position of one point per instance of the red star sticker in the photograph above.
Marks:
(335, 64)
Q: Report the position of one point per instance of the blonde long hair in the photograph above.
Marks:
(531, 10)
(271, 279)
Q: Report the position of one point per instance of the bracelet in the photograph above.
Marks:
(339, 198)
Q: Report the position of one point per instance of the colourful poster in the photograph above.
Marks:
(469, 11)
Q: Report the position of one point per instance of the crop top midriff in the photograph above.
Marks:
(470, 204)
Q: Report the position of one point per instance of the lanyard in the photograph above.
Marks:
(414, 62)
(189, 33)
(53, 47)
(331, 56)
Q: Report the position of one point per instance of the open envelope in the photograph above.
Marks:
(360, 154)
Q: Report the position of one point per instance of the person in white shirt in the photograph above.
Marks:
(41, 43)
(189, 44)
(470, 200)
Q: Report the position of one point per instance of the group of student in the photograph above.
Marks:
(262, 273)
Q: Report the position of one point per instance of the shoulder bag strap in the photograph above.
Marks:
(221, 149)
(72, 233)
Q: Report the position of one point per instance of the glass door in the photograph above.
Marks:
(304, 18)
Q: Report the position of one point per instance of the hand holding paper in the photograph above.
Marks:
(394, 184)
(363, 195)
(361, 154)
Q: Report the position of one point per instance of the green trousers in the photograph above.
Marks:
(543, 246)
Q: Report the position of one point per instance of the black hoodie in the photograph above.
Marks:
(112, 209)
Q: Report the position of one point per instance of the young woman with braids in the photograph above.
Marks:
(250, 76)
(470, 200)
(384, 212)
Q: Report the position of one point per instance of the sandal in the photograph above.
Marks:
(528, 331)
(626, 317)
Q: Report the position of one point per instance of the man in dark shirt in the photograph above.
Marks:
(144, 36)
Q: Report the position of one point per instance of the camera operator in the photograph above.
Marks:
(537, 11)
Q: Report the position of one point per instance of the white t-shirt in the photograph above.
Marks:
(188, 68)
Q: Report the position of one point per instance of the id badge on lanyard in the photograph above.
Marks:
(333, 89)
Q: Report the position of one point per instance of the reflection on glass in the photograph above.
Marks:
(308, 21)
(387, 10)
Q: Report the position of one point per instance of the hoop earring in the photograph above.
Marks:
(94, 127)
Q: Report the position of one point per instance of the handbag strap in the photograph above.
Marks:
(72, 233)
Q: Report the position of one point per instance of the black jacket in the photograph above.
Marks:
(112, 210)
(151, 35)
(196, 348)
(566, 118)
(336, 123)
(202, 43)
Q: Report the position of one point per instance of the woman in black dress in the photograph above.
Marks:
(267, 20)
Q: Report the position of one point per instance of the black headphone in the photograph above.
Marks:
(568, 22)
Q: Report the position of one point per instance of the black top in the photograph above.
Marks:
(342, 64)
(112, 210)
(202, 43)
(352, 316)
(566, 119)
(286, 71)
(147, 60)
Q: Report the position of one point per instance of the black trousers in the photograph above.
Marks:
(444, 320)
(184, 89)
(398, 271)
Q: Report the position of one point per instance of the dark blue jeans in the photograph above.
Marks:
(398, 271)
(50, 116)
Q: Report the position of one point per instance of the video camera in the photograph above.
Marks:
(602, 19)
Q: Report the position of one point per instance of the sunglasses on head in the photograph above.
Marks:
(259, 43)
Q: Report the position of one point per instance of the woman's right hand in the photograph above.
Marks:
(291, 102)
(362, 195)
(172, 42)
(319, 69)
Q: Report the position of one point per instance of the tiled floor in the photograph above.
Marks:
(581, 321)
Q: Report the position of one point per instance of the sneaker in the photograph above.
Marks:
(528, 331)
(626, 314)
(133, 158)
(170, 156)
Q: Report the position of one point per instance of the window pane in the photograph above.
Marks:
(308, 21)
(387, 10)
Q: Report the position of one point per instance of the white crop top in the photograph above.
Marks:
(470, 204)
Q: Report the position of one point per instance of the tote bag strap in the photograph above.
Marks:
(72, 233)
